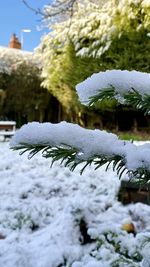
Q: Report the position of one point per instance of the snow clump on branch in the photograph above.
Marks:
(122, 81)
(87, 143)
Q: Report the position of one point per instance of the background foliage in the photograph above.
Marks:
(96, 38)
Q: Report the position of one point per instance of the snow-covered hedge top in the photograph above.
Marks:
(87, 143)
(11, 59)
(122, 81)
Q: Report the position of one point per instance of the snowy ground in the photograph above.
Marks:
(42, 211)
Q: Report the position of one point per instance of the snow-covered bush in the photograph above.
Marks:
(13, 59)
(74, 145)
(22, 97)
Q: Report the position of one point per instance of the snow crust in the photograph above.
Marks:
(40, 209)
(122, 81)
(88, 143)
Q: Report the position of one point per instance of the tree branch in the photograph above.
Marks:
(57, 8)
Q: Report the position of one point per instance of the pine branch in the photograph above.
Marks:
(70, 157)
(106, 93)
(132, 98)
(142, 176)
(138, 101)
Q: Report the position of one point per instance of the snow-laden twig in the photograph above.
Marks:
(127, 87)
(74, 145)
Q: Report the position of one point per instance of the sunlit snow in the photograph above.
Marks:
(123, 82)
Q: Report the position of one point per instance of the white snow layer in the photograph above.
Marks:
(11, 59)
(88, 143)
(40, 210)
(122, 81)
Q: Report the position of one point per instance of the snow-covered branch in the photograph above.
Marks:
(74, 145)
(127, 87)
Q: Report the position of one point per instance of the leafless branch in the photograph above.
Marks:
(57, 8)
(36, 11)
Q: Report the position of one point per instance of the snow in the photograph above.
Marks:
(12, 59)
(122, 81)
(65, 134)
(7, 122)
(40, 210)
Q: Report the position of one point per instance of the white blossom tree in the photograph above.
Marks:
(92, 28)
(94, 25)
(74, 145)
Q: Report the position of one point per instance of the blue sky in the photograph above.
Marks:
(15, 16)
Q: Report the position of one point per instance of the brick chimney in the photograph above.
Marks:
(14, 42)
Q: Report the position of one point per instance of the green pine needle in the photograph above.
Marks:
(105, 93)
(132, 98)
(138, 101)
(69, 156)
